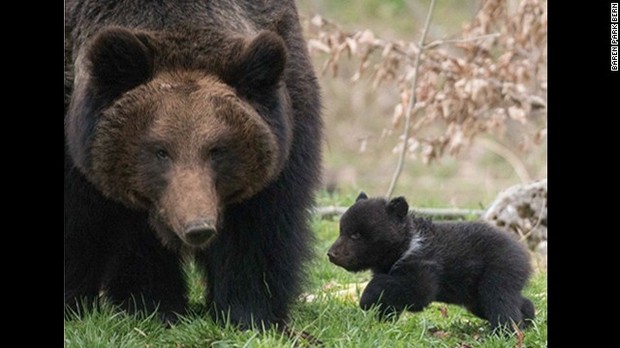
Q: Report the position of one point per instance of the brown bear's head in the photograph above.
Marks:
(181, 143)
(374, 233)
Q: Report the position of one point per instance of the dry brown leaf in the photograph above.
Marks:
(397, 115)
(517, 114)
(478, 90)
(441, 334)
(387, 49)
(520, 336)
(367, 37)
(540, 135)
(317, 21)
(314, 44)
(352, 44)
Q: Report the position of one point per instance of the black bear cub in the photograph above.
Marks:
(415, 261)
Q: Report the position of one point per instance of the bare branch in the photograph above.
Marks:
(443, 213)
(456, 41)
(412, 102)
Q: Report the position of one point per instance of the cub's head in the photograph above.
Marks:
(373, 234)
(180, 142)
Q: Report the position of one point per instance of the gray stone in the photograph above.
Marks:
(522, 209)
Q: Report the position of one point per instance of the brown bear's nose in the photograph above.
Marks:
(198, 232)
(332, 255)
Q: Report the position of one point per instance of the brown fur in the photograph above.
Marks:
(189, 115)
(196, 125)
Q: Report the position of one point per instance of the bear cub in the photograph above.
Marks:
(415, 261)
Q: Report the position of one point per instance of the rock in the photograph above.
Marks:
(522, 209)
(541, 255)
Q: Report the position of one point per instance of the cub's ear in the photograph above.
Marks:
(361, 196)
(260, 66)
(398, 207)
(119, 61)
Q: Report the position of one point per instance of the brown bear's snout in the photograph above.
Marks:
(189, 208)
(200, 231)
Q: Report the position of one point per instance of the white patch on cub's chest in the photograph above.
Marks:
(415, 244)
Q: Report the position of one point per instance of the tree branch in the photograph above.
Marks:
(412, 102)
(444, 213)
(455, 41)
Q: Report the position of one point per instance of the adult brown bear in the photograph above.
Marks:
(191, 127)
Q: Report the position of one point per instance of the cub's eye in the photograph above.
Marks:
(355, 236)
(162, 155)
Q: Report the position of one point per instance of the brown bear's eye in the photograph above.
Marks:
(355, 236)
(216, 153)
(162, 155)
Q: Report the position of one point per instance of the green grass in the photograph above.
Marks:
(328, 311)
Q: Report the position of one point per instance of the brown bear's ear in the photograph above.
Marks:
(119, 61)
(398, 207)
(260, 67)
(361, 196)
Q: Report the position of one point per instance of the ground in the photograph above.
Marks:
(328, 311)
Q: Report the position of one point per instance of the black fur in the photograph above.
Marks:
(255, 267)
(465, 263)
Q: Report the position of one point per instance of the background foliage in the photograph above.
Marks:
(481, 95)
